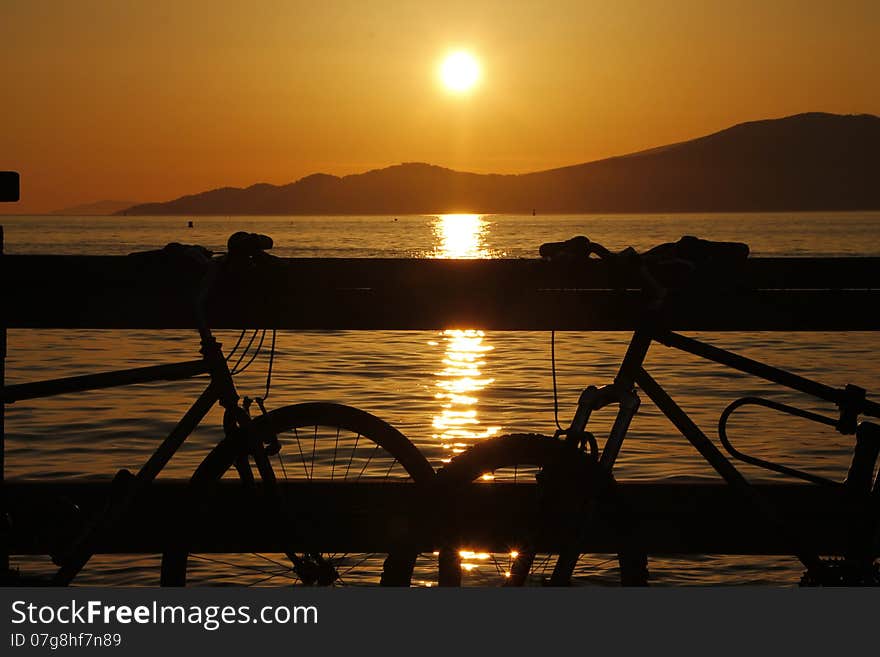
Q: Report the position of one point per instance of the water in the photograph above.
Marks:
(443, 389)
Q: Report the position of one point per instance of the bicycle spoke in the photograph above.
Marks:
(370, 458)
(391, 467)
(497, 565)
(301, 454)
(232, 564)
(335, 450)
(542, 566)
(277, 563)
(350, 568)
(351, 457)
(314, 447)
(281, 463)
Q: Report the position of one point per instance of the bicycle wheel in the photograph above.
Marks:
(569, 479)
(318, 442)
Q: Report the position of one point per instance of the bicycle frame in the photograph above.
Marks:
(126, 486)
(632, 375)
(221, 388)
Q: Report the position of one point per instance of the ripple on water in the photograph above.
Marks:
(396, 374)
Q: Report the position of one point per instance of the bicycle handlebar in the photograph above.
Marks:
(244, 251)
(689, 249)
(668, 265)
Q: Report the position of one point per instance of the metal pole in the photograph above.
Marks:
(4, 520)
(719, 462)
(748, 366)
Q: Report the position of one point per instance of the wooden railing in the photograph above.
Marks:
(137, 292)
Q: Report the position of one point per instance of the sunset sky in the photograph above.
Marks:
(142, 101)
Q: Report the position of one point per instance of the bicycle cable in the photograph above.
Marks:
(236, 345)
(553, 370)
(256, 353)
(244, 353)
(269, 369)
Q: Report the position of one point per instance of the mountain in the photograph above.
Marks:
(804, 162)
(96, 208)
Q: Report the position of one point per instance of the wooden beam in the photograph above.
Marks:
(137, 292)
(667, 518)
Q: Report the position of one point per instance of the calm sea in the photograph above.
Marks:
(443, 389)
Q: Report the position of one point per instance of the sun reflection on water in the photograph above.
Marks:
(458, 384)
(461, 379)
(460, 236)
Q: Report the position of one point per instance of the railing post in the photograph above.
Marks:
(4, 520)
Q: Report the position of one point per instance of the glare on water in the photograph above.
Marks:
(460, 236)
(458, 386)
(460, 381)
(465, 351)
(447, 389)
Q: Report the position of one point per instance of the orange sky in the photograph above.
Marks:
(149, 100)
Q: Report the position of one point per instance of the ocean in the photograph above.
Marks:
(444, 389)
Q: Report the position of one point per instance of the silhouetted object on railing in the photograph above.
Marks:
(380, 287)
(706, 264)
(243, 244)
(10, 192)
(668, 265)
(10, 187)
(246, 439)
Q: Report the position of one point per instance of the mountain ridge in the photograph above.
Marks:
(810, 161)
(103, 207)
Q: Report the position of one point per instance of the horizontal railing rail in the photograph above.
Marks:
(128, 292)
(696, 518)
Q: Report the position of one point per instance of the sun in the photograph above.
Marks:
(460, 71)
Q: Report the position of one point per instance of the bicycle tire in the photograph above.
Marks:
(513, 451)
(398, 566)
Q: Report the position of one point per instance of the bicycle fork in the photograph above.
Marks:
(623, 392)
(633, 563)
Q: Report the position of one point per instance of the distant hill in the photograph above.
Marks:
(805, 162)
(96, 208)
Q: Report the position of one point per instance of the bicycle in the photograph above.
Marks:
(574, 477)
(351, 444)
